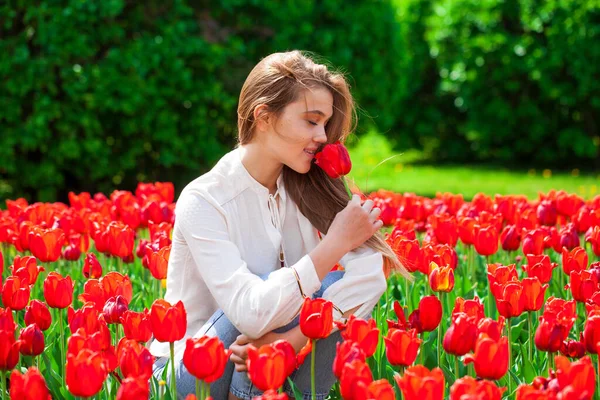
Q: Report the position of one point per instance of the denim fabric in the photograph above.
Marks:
(238, 382)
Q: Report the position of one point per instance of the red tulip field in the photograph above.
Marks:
(504, 302)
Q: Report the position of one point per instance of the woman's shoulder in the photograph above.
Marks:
(216, 186)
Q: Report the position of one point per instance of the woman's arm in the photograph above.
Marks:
(362, 285)
(253, 306)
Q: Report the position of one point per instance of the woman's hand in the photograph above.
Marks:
(355, 223)
(239, 348)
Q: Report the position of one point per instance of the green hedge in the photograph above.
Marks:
(508, 81)
(102, 94)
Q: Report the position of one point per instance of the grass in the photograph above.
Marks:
(405, 173)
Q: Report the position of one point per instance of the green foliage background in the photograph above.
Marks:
(98, 94)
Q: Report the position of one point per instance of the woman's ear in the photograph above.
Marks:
(262, 116)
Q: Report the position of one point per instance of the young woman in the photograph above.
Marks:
(247, 244)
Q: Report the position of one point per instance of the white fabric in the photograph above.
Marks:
(228, 231)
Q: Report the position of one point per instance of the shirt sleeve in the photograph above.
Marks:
(253, 306)
(362, 285)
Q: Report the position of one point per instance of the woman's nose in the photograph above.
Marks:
(321, 137)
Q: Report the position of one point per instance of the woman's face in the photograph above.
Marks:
(296, 135)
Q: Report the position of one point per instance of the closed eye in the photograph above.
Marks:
(312, 123)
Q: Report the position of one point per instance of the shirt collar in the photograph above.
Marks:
(253, 183)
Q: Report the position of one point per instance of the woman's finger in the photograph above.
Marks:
(367, 205)
(241, 368)
(242, 339)
(237, 360)
(375, 213)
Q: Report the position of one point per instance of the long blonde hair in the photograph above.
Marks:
(278, 80)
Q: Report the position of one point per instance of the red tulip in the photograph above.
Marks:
(72, 252)
(26, 269)
(593, 237)
(572, 349)
(441, 279)
(510, 238)
(92, 267)
(583, 285)
(15, 293)
(402, 346)
(135, 388)
(31, 341)
(551, 332)
(137, 325)
(445, 255)
(290, 355)
(114, 309)
(266, 367)
(121, 239)
(539, 266)
(334, 160)
(345, 353)
(468, 388)
(9, 350)
(533, 294)
(408, 252)
(58, 291)
(574, 260)
(445, 228)
(428, 316)
(509, 299)
(316, 318)
(169, 322)
(533, 242)
(354, 375)
(93, 293)
(569, 237)
(461, 336)
(377, 390)
(28, 386)
(420, 383)
(362, 332)
(486, 240)
(466, 230)
(591, 332)
(471, 307)
(579, 374)
(7, 322)
(490, 327)
(547, 213)
(46, 244)
(115, 283)
(205, 358)
(134, 359)
(90, 365)
(37, 312)
(498, 273)
(490, 357)
(157, 262)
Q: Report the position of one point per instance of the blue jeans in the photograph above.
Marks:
(238, 383)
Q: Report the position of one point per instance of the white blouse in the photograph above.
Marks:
(228, 232)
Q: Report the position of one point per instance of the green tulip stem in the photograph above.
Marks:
(62, 342)
(456, 374)
(439, 341)
(313, 386)
(207, 389)
(598, 366)
(199, 390)
(3, 377)
(530, 334)
(173, 378)
(508, 323)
